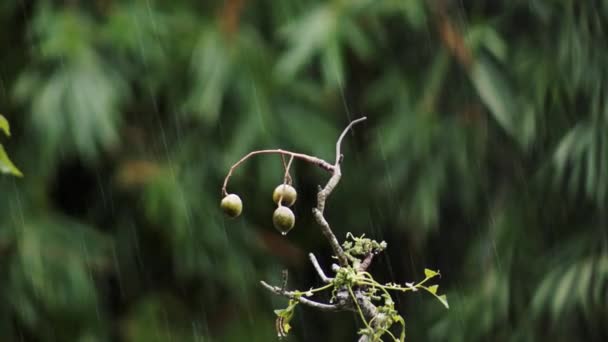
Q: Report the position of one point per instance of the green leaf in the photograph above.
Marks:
(57, 256)
(444, 300)
(76, 105)
(433, 290)
(486, 36)
(307, 37)
(332, 64)
(213, 64)
(286, 327)
(284, 316)
(6, 165)
(430, 273)
(584, 284)
(563, 297)
(4, 126)
(497, 94)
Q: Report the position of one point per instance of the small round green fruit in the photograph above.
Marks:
(283, 219)
(232, 205)
(288, 194)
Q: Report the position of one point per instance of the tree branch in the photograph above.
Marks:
(326, 191)
(318, 268)
(329, 235)
(339, 142)
(311, 159)
(303, 300)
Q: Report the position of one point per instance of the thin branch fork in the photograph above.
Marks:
(315, 264)
(303, 300)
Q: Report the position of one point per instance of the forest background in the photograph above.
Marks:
(485, 155)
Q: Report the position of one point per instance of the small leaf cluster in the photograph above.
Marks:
(362, 246)
(360, 286)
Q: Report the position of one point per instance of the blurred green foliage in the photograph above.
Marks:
(6, 165)
(485, 156)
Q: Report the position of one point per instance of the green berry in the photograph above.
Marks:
(283, 219)
(286, 193)
(232, 205)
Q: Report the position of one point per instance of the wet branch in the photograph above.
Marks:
(311, 159)
(303, 300)
(318, 268)
(326, 191)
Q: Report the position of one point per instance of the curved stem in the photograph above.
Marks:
(393, 288)
(311, 159)
(391, 334)
(324, 287)
(286, 177)
(318, 268)
(376, 285)
(352, 295)
(339, 142)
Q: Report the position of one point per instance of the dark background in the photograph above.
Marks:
(485, 155)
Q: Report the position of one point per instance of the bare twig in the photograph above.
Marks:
(339, 142)
(303, 300)
(318, 268)
(326, 191)
(287, 179)
(311, 159)
(331, 237)
(287, 176)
